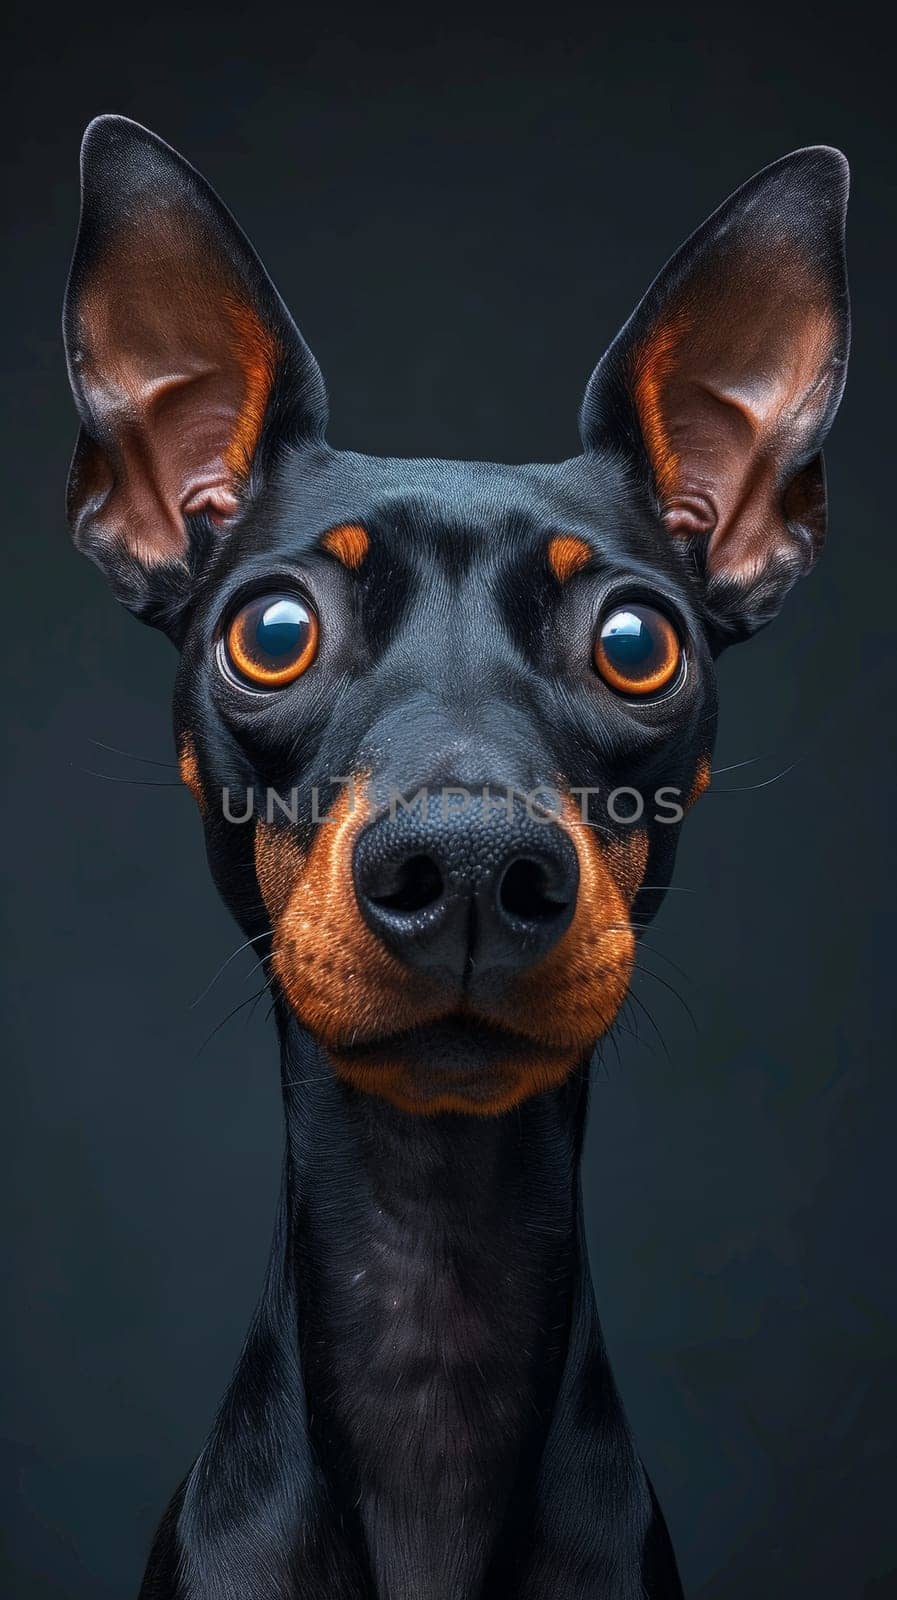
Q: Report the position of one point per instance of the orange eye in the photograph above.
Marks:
(637, 650)
(271, 640)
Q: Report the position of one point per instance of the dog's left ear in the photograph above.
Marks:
(723, 385)
(187, 369)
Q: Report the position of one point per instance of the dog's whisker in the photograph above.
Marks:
(621, 1025)
(661, 955)
(634, 925)
(747, 788)
(734, 766)
(267, 988)
(225, 964)
(647, 973)
(611, 1038)
(129, 755)
(665, 888)
(637, 1000)
(225, 1020)
(268, 956)
(134, 783)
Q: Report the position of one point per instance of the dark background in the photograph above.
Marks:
(461, 213)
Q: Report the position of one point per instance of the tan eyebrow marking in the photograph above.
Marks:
(567, 555)
(349, 543)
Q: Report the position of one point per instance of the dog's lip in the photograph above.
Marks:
(460, 1027)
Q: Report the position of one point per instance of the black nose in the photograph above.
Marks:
(464, 883)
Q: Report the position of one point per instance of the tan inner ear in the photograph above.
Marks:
(257, 355)
(653, 365)
(730, 387)
(177, 369)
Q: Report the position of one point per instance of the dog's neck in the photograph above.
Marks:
(424, 1404)
(436, 1260)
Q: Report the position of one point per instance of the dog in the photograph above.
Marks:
(442, 721)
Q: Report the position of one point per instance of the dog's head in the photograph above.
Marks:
(443, 719)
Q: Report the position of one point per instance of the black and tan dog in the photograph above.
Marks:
(406, 688)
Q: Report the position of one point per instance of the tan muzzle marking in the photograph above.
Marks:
(348, 990)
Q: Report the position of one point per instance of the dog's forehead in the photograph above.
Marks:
(420, 506)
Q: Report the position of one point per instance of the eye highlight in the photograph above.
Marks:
(271, 640)
(637, 650)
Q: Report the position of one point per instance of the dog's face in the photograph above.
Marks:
(429, 633)
(443, 719)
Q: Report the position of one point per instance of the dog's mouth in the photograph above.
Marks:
(458, 1062)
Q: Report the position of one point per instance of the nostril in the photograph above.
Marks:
(407, 886)
(527, 893)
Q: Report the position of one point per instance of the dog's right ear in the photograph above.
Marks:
(186, 367)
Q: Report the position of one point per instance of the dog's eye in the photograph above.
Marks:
(271, 640)
(637, 650)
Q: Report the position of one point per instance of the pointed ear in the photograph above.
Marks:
(723, 384)
(185, 366)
